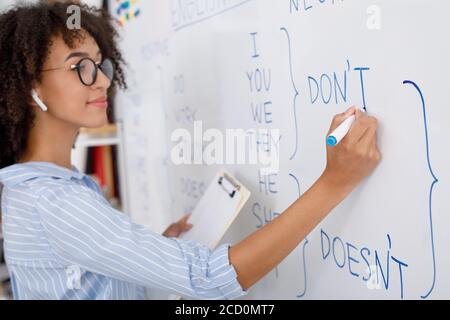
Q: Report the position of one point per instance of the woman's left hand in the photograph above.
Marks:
(177, 228)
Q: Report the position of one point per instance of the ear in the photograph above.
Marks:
(39, 102)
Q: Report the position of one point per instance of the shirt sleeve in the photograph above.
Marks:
(85, 231)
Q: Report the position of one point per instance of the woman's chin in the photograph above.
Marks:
(97, 123)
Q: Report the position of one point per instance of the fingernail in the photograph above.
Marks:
(351, 110)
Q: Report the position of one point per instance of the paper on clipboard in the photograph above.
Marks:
(215, 212)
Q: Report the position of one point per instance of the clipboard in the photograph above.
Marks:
(217, 209)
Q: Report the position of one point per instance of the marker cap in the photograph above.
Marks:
(331, 141)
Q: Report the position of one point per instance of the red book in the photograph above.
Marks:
(99, 166)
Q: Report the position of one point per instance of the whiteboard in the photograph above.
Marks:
(291, 65)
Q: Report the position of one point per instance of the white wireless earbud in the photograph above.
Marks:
(39, 102)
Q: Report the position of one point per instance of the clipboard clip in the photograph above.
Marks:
(228, 185)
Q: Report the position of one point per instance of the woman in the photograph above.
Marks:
(62, 238)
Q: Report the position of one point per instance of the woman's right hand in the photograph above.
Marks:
(357, 155)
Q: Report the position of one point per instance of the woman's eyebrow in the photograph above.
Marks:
(76, 54)
(79, 54)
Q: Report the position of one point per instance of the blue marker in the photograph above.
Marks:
(339, 133)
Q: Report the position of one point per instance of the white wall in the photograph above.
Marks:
(399, 212)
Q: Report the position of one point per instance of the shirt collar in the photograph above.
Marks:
(21, 172)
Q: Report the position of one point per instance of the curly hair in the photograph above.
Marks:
(26, 33)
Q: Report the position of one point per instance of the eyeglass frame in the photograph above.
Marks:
(77, 67)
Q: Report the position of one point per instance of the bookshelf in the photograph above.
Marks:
(104, 136)
(111, 138)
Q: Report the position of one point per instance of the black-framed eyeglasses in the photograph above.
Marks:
(87, 70)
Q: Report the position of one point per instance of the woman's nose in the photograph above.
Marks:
(102, 80)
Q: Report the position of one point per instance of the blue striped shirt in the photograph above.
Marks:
(63, 240)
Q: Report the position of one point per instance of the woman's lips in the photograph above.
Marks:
(99, 103)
